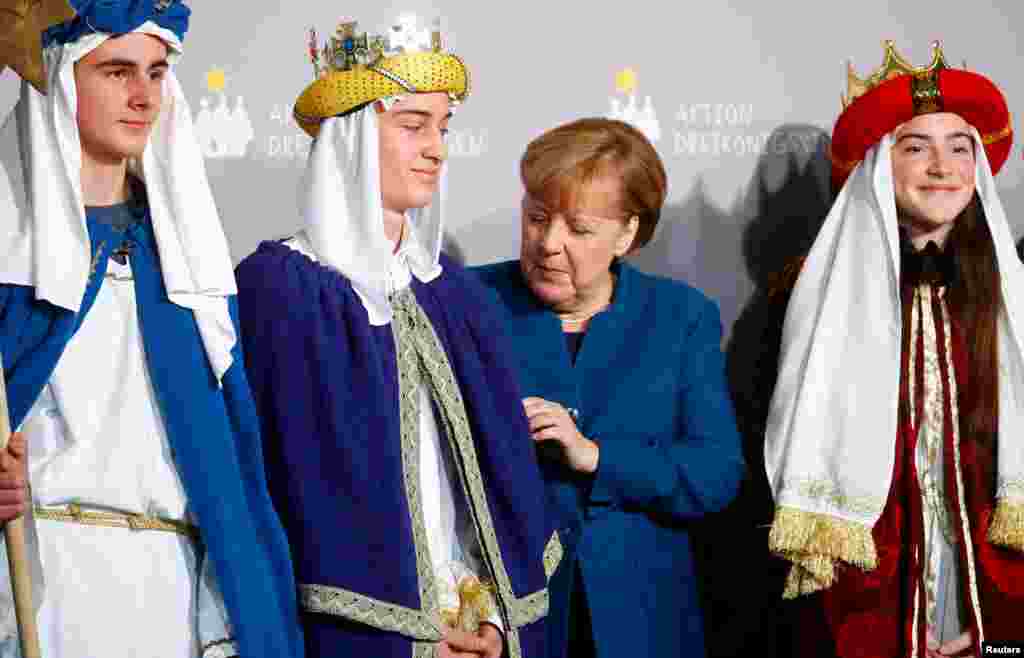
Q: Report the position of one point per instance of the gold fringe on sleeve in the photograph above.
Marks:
(1007, 527)
(814, 543)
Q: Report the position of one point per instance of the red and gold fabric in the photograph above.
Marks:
(902, 93)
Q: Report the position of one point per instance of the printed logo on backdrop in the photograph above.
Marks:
(702, 129)
(625, 107)
(224, 130)
(295, 144)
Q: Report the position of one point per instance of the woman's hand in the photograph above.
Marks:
(13, 479)
(550, 421)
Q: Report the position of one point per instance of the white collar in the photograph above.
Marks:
(397, 270)
(341, 203)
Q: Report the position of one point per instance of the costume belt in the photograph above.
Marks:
(73, 513)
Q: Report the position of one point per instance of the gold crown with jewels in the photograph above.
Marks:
(352, 69)
(893, 65)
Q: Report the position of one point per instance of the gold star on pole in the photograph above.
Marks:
(22, 23)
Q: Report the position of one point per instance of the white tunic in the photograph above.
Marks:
(96, 437)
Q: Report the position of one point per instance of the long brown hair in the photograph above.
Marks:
(974, 300)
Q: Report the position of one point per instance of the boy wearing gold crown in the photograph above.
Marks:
(398, 452)
(151, 529)
(894, 443)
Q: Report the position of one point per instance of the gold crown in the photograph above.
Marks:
(894, 65)
(353, 69)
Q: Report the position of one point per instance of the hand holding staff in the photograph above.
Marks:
(14, 535)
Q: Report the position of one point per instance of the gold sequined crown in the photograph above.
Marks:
(352, 69)
(893, 65)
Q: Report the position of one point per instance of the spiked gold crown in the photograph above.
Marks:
(893, 65)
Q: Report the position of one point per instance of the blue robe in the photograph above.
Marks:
(649, 387)
(326, 384)
(213, 433)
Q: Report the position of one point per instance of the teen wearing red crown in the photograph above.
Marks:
(894, 443)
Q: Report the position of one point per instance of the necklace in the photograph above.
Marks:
(576, 320)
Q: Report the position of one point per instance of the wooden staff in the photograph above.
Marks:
(17, 557)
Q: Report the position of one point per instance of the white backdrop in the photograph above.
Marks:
(742, 97)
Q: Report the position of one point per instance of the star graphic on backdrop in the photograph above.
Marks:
(216, 79)
(625, 81)
(22, 23)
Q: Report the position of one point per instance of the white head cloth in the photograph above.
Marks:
(341, 203)
(830, 439)
(44, 242)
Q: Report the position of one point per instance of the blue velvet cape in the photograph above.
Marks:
(325, 383)
(213, 433)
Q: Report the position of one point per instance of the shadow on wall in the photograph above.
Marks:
(699, 243)
(452, 249)
(770, 226)
(1020, 249)
(488, 239)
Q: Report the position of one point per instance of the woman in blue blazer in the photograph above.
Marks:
(626, 394)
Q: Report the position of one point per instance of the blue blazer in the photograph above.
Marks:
(649, 386)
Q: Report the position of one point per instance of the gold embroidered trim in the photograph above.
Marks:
(930, 432)
(830, 494)
(813, 543)
(74, 513)
(409, 413)
(553, 553)
(420, 351)
(1007, 526)
(529, 608)
(370, 611)
(972, 574)
(1007, 130)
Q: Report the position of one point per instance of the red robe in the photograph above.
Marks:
(871, 614)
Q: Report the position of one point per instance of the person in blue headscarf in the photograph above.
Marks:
(151, 531)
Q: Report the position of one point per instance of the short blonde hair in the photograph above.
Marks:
(563, 160)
